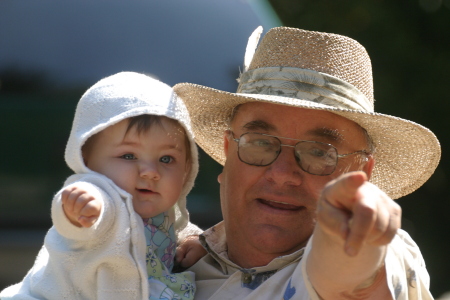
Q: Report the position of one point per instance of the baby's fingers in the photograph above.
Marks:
(87, 222)
(73, 200)
(68, 198)
(82, 199)
(89, 213)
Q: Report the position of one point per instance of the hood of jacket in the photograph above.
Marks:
(121, 96)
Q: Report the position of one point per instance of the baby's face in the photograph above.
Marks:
(151, 166)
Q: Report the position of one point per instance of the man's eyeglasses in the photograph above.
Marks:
(259, 149)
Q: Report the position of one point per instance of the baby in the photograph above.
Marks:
(116, 221)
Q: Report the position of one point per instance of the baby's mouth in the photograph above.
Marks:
(146, 191)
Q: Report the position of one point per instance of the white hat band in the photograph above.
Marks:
(305, 85)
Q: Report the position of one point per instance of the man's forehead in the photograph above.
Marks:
(278, 119)
(327, 133)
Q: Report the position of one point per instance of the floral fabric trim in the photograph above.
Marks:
(161, 246)
(304, 84)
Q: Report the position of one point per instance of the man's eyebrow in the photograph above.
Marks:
(258, 125)
(328, 133)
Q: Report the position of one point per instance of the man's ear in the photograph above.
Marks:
(226, 141)
(368, 167)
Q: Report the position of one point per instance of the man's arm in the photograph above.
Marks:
(355, 223)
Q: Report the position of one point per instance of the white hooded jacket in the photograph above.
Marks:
(107, 260)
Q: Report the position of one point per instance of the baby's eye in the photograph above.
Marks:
(128, 156)
(166, 159)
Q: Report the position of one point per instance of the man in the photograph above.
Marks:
(299, 143)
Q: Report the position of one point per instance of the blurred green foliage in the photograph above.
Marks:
(35, 123)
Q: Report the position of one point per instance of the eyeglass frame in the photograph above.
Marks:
(365, 152)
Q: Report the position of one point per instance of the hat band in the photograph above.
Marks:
(304, 84)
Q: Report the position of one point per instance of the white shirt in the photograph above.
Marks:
(217, 278)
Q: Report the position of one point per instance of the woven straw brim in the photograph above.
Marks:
(406, 153)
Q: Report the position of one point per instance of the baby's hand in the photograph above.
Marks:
(80, 208)
(189, 252)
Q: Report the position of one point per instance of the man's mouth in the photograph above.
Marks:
(280, 205)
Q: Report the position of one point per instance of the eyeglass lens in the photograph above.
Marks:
(262, 150)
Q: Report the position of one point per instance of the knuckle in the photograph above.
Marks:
(385, 238)
(65, 193)
(397, 210)
(378, 230)
(367, 212)
(85, 199)
(85, 195)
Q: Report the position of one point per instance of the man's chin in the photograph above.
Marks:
(273, 238)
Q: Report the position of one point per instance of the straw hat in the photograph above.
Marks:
(320, 71)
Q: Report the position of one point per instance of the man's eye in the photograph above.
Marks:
(262, 143)
(317, 152)
(128, 156)
(166, 159)
(326, 154)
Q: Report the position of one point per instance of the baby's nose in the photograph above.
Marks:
(149, 170)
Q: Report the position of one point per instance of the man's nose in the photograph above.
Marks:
(149, 170)
(285, 169)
